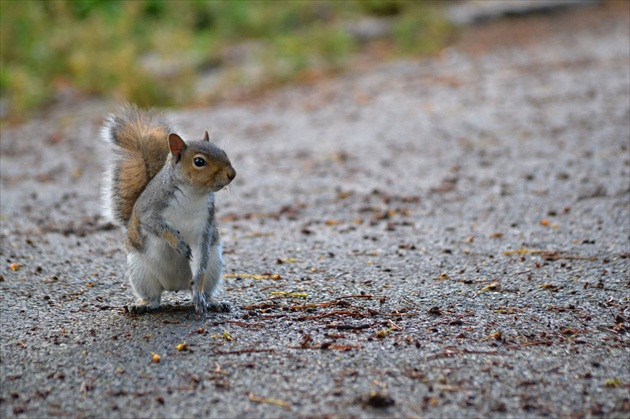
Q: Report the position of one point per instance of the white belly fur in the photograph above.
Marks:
(162, 264)
(161, 268)
(188, 214)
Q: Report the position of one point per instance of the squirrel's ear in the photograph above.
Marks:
(206, 137)
(177, 146)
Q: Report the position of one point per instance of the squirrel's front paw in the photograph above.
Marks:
(184, 250)
(176, 241)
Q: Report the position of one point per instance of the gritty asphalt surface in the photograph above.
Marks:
(447, 237)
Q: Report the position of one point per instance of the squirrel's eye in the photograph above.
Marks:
(199, 162)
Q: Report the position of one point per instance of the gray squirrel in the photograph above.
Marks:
(161, 188)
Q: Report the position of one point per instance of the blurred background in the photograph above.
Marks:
(170, 53)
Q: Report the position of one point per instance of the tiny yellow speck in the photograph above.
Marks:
(15, 266)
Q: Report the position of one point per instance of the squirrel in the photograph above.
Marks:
(161, 189)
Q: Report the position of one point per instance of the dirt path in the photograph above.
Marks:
(446, 237)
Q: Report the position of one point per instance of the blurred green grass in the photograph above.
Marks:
(152, 52)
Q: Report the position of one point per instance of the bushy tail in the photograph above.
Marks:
(139, 142)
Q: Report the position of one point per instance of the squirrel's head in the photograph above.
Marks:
(202, 163)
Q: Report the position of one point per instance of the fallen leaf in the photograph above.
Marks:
(495, 335)
(268, 400)
(382, 334)
(286, 260)
(442, 277)
(612, 383)
(289, 294)
(492, 287)
(251, 276)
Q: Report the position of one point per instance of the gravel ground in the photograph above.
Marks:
(444, 238)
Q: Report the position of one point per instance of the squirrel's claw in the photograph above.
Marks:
(188, 253)
(184, 249)
(176, 241)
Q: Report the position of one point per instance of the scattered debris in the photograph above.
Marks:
(268, 401)
(16, 266)
(549, 255)
(495, 286)
(550, 287)
(378, 400)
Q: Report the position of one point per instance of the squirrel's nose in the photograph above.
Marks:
(231, 174)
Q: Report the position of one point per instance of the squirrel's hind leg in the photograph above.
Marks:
(142, 307)
(213, 280)
(145, 286)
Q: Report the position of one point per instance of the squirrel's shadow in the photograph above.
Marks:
(140, 310)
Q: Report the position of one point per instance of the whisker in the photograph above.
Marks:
(236, 159)
(232, 191)
(225, 142)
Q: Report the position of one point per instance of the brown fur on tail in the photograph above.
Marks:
(140, 144)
